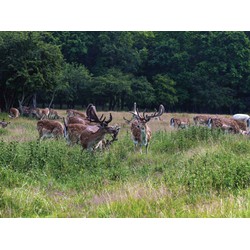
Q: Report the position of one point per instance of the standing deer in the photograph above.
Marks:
(49, 129)
(179, 122)
(140, 131)
(14, 113)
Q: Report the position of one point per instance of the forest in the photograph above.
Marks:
(202, 72)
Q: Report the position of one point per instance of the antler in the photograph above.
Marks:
(92, 116)
(156, 114)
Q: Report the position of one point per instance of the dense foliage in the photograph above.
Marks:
(185, 71)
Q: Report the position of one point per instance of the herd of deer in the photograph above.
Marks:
(89, 130)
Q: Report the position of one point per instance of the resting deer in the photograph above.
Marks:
(226, 124)
(140, 131)
(4, 124)
(49, 129)
(14, 113)
(179, 122)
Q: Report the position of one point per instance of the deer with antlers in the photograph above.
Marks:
(90, 135)
(140, 131)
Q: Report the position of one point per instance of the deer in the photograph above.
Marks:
(140, 131)
(4, 124)
(226, 124)
(53, 114)
(244, 118)
(179, 122)
(201, 119)
(72, 131)
(72, 113)
(40, 113)
(14, 113)
(93, 134)
(50, 129)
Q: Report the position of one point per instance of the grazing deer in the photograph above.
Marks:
(53, 114)
(201, 119)
(179, 122)
(73, 131)
(4, 124)
(226, 124)
(14, 113)
(77, 120)
(140, 131)
(93, 134)
(40, 113)
(244, 118)
(49, 129)
(72, 113)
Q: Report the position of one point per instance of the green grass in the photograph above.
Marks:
(187, 173)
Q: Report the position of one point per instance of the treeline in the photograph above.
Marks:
(205, 72)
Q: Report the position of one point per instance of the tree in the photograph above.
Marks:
(28, 65)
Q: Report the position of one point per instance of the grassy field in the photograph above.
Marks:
(196, 172)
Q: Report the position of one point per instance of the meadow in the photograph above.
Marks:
(192, 173)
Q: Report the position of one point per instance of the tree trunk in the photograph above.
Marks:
(52, 99)
(34, 102)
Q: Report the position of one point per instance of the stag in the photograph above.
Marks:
(140, 131)
(93, 134)
(14, 113)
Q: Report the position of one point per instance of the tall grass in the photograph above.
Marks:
(195, 172)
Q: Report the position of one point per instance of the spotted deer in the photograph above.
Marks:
(243, 118)
(14, 113)
(140, 131)
(201, 119)
(40, 113)
(72, 113)
(50, 129)
(181, 122)
(53, 115)
(228, 125)
(93, 134)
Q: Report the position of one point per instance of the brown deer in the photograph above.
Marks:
(226, 124)
(41, 113)
(49, 129)
(72, 112)
(93, 134)
(140, 131)
(14, 113)
(53, 114)
(4, 124)
(73, 131)
(201, 119)
(180, 122)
